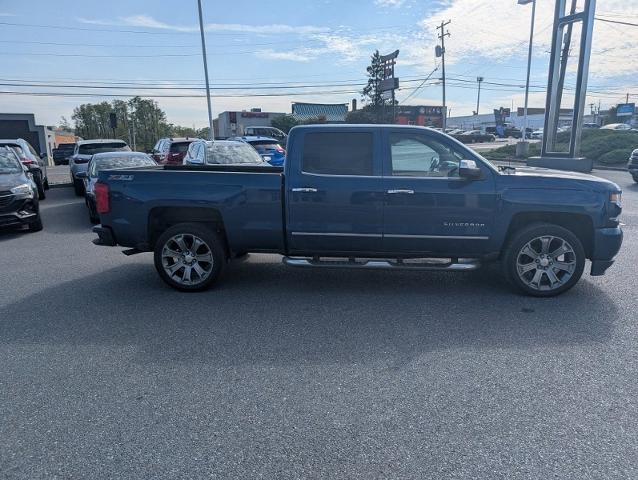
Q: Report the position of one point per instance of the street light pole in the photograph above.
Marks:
(478, 98)
(529, 64)
(211, 135)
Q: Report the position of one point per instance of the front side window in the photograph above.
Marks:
(338, 153)
(416, 155)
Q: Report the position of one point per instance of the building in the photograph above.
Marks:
(22, 125)
(230, 124)
(325, 112)
(535, 119)
(424, 116)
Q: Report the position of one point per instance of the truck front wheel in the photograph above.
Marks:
(544, 260)
(189, 257)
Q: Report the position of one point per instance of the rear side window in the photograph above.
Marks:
(332, 153)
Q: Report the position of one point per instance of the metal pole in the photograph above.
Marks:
(211, 135)
(529, 68)
(443, 73)
(478, 98)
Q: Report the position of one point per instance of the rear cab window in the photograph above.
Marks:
(179, 147)
(339, 153)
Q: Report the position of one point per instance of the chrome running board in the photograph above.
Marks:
(451, 264)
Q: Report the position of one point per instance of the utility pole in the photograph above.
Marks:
(627, 99)
(211, 135)
(478, 99)
(442, 36)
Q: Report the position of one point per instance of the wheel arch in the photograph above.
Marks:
(579, 224)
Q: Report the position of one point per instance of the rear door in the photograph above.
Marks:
(334, 192)
(429, 209)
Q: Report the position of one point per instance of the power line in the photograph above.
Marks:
(421, 85)
(617, 22)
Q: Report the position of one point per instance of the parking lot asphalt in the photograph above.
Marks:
(105, 372)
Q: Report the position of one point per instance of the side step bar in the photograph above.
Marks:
(452, 264)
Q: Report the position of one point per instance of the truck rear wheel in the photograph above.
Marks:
(544, 260)
(189, 257)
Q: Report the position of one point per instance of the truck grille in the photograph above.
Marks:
(6, 198)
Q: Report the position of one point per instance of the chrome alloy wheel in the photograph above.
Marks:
(546, 263)
(187, 259)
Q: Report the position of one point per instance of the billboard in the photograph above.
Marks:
(625, 109)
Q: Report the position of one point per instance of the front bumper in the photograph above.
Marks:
(607, 242)
(18, 218)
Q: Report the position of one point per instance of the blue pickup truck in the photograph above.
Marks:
(366, 196)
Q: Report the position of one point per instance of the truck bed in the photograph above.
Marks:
(248, 199)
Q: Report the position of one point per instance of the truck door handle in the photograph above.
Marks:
(305, 190)
(407, 192)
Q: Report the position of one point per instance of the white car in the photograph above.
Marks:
(616, 126)
(537, 135)
(222, 152)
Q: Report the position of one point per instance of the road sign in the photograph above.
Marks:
(389, 84)
(625, 109)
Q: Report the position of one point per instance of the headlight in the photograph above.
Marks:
(616, 197)
(24, 189)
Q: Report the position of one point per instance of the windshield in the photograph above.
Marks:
(8, 162)
(93, 148)
(120, 161)
(231, 154)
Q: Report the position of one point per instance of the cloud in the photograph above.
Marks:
(302, 55)
(146, 21)
(390, 3)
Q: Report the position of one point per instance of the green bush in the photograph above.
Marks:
(620, 155)
(604, 146)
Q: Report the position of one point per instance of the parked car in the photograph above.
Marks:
(537, 135)
(616, 126)
(222, 152)
(632, 165)
(108, 161)
(62, 153)
(18, 193)
(84, 150)
(171, 151)
(271, 132)
(37, 164)
(366, 196)
(590, 126)
(474, 136)
(267, 147)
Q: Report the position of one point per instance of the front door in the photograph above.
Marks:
(335, 192)
(429, 209)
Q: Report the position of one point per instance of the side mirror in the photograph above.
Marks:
(468, 169)
(43, 155)
(81, 175)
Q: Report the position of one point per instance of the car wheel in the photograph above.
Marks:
(94, 218)
(36, 225)
(189, 257)
(46, 184)
(78, 186)
(635, 177)
(38, 183)
(544, 260)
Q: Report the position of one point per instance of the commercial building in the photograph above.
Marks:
(22, 125)
(424, 116)
(535, 119)
(230, 124)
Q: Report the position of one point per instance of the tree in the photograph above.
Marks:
(611, 116)
(64, 124)
(371, 93)
(284, 122)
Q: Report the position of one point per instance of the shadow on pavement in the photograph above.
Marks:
(264, 313)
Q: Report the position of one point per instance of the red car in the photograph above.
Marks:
(171, 151)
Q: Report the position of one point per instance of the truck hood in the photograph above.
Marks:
(558, 178)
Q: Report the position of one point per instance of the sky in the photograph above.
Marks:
(270, 54)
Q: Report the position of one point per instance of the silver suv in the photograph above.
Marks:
(84, 150)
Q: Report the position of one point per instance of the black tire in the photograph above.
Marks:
(545, 285)
(635, 177)
(36, 225)
(213, 243)
(37, 178)
(78, 186)
(94, 218)
(46, 184)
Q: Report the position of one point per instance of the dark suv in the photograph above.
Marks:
(62, 153)
(171, 151)
(18, 193)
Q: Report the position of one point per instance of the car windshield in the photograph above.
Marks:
(93, 148)
(120, 161)
(8, 162)
(231, 154)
